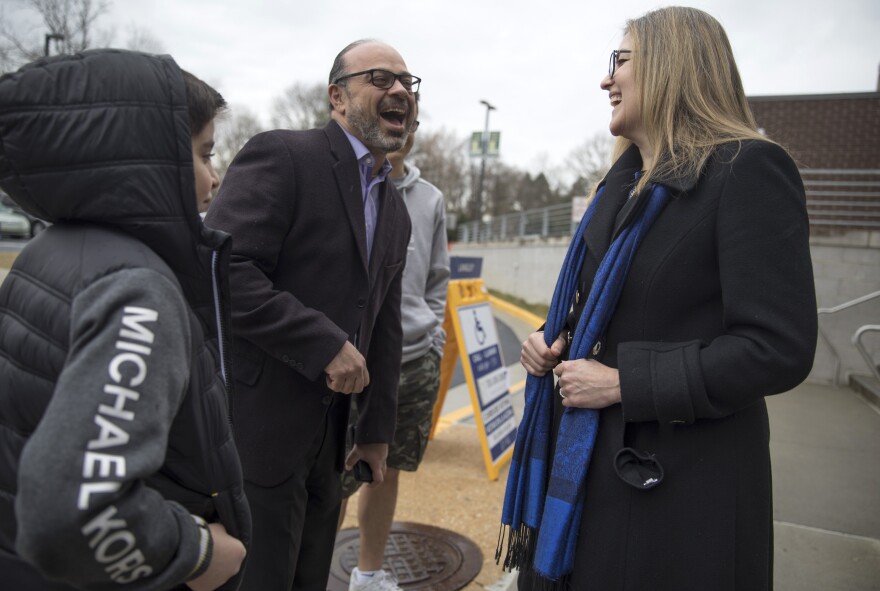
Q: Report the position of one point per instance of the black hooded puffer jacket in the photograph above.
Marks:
(114, 418)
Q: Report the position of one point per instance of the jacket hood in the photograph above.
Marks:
(412, 176)
(103, 136)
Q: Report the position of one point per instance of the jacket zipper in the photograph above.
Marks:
(221, 333)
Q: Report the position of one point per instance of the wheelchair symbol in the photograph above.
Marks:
(479, 332)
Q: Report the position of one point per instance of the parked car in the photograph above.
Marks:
(36, 224)
(13, 224)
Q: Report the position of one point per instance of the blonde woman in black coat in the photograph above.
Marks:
(716, 312)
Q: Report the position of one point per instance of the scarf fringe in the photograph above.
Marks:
(520, 555)
(520, 546)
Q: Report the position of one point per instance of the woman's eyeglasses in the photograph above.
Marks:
(616, 60)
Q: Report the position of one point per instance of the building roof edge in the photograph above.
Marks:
(815, 97)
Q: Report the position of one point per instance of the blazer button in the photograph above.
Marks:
(361, 302)
(299, 365)
(285, 358)
(326, 400)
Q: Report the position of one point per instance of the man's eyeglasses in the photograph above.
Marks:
(616, 60)
(384, 79)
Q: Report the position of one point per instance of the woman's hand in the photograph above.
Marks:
(586, 383)
(537, 357)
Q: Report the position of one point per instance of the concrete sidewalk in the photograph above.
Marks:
(825, 445)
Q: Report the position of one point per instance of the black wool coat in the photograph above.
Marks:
(717, 312)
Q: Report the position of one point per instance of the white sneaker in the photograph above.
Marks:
(381, 581)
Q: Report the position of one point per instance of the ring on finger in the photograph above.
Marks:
(561, 395)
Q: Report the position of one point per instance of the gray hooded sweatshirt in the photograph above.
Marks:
(426, 274)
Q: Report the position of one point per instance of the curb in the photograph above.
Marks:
(516, 311)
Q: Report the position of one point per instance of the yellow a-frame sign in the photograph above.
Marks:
(471, 336)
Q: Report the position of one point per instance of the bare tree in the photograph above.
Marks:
(589, 161)
(142, 39)
(232, 131)
(440, 156)
(39, 25)
(302, 106)
(501, 188)
(7, 58)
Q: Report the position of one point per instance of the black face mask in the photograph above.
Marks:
(638, 469)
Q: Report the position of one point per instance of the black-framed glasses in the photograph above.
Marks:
(384, 79)
(616, 60)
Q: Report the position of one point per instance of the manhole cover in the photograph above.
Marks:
(420, 556)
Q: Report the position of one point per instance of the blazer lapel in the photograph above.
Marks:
(385, 224)
(349, 184)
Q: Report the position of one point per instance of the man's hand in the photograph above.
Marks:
(537, 357)
(374, 454)
(226, 560)
(347, 372)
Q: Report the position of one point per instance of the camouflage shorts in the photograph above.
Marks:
(416, 395)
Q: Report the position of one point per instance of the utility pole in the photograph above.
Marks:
(52, 37)
(484, 145)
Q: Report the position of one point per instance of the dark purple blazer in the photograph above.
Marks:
(301, 286)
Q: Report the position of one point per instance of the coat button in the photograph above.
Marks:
(285, 358)
(326, 400)
(361, 302)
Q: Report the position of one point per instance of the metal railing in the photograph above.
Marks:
(838, 200)
(545, 222)
(863, 350)
(857, 341)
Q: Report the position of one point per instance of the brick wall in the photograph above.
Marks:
(833, 132)
(824, 131)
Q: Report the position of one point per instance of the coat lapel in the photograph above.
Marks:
(617, 183)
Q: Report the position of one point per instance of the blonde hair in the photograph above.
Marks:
(692, 97)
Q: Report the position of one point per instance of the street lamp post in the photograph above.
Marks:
(484, 150)
(52, 37)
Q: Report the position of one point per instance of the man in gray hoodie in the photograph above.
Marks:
(423, 305)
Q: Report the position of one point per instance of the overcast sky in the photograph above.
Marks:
(538, 61)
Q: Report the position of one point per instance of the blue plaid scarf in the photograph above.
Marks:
(542, 520)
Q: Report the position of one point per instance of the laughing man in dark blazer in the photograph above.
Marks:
(319, 244)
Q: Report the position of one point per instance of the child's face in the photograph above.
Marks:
(206, 179)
